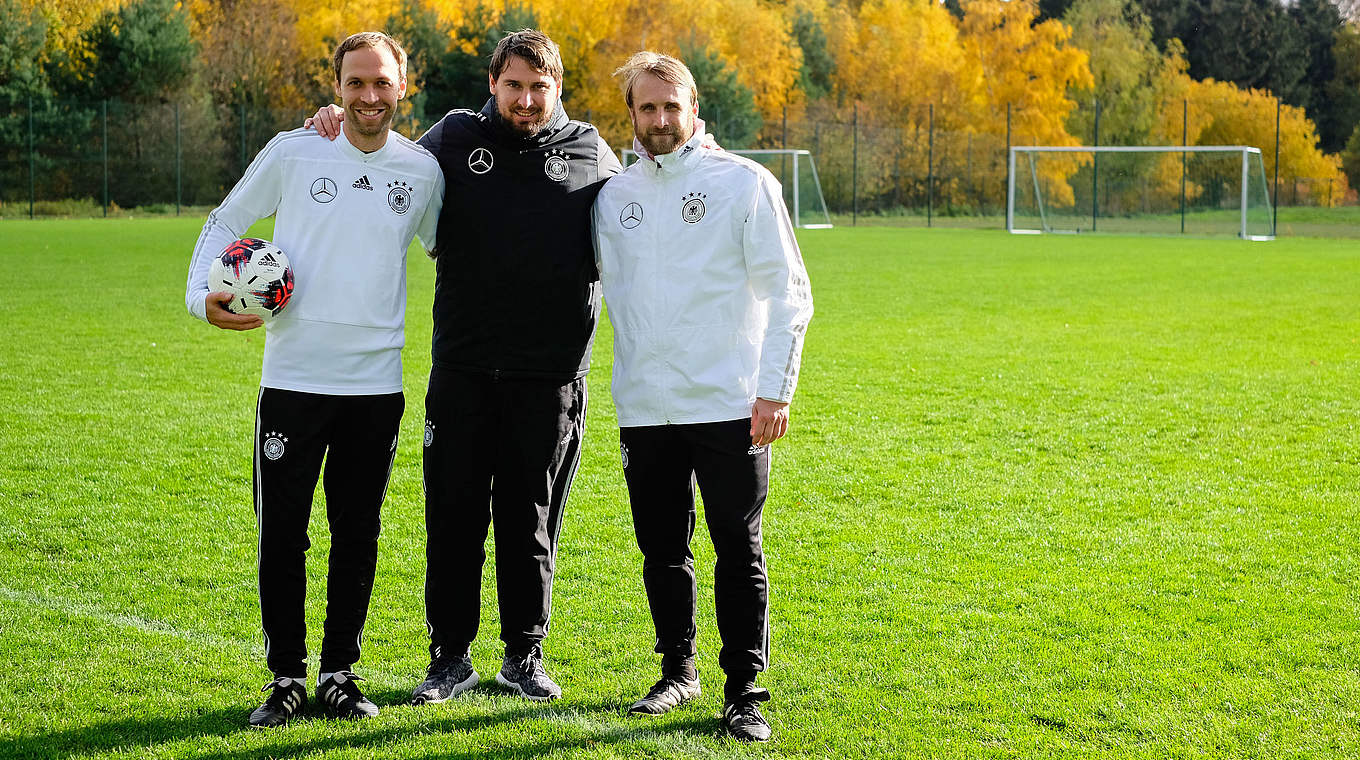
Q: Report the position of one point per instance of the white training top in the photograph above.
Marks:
(345, 220)
(705, 286)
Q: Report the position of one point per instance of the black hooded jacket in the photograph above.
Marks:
(516, 291)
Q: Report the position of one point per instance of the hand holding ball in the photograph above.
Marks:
(256, 273)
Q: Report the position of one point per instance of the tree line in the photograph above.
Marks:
(1031, 71)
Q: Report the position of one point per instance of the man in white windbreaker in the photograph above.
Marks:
(331, 385)
(709, 301)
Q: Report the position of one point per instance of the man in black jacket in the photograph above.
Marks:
(515, 306)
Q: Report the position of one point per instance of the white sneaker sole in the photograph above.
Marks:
(422, 698)
(512, 686)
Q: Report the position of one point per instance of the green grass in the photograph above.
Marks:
(1043, 497)
(1292, 221)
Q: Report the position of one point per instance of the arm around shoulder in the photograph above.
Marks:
(607, 163)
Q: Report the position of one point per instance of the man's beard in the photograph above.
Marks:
(360, 126)
(507, 116)
(659, 143)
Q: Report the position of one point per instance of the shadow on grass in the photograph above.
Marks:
(131, 734)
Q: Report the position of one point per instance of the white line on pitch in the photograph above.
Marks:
(249, 649)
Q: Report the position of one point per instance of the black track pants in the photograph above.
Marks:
(357, 437)
(661, 465)
(502, 452)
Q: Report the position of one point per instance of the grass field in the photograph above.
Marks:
(1043, 497)
(1293, 221)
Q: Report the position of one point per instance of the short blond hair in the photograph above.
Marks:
(368, 39)
(661, 66)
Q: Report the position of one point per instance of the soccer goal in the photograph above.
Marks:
(1174, 189)
(796, 172)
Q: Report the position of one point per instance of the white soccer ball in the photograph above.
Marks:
(256, 273)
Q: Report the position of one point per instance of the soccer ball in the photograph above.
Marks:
(256, 273)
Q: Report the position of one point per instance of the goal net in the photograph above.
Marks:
(796, 172)
(1160, 190)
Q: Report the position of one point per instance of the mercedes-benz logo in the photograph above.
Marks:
(481, 161)
(631, 216)
(323, 190)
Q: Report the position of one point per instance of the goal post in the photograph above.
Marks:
(1150, 189)
(797, 173)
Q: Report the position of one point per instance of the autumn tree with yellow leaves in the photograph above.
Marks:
(922, 91)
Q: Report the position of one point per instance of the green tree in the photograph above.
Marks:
(143, 53)
(1127, 68)
(1054, 8)
(815, 77)
(23, 85)
(1350, 158)
(1251, 43)
(459, 79)
(428, 43)
(1320, 24)
(1342, 93)
(727, 106)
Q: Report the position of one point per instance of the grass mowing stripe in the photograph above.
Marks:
(144, 624)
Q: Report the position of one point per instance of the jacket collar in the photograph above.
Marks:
(503, 134)
(682, 156)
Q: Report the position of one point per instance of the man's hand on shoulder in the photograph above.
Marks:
(769, 421)
(326, 121)
(215, 307)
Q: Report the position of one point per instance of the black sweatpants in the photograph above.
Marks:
(357, 437)
(504, 452)
(661, 465)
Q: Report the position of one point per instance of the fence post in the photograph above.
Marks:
(784, 145)
(105, 108)
(179, 166)
(243, 138)
(1010, 166)
(1095, 169)
(972, 179)
(930, 170)
(854, 170)
(1275, 206)
(1185, 137)
(32, 184)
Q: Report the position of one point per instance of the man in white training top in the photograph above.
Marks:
(331, 384)
(709, 301)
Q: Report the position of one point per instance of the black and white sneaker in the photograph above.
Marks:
(341, 697)
(668, 693)
(525, 675)
(447, 677)
(288, 698)
(742, 719)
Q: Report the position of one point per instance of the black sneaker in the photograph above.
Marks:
(668, 693)
(742, 719)
(288, 698)
(525, 675)
(447, 677)
(341, 697)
